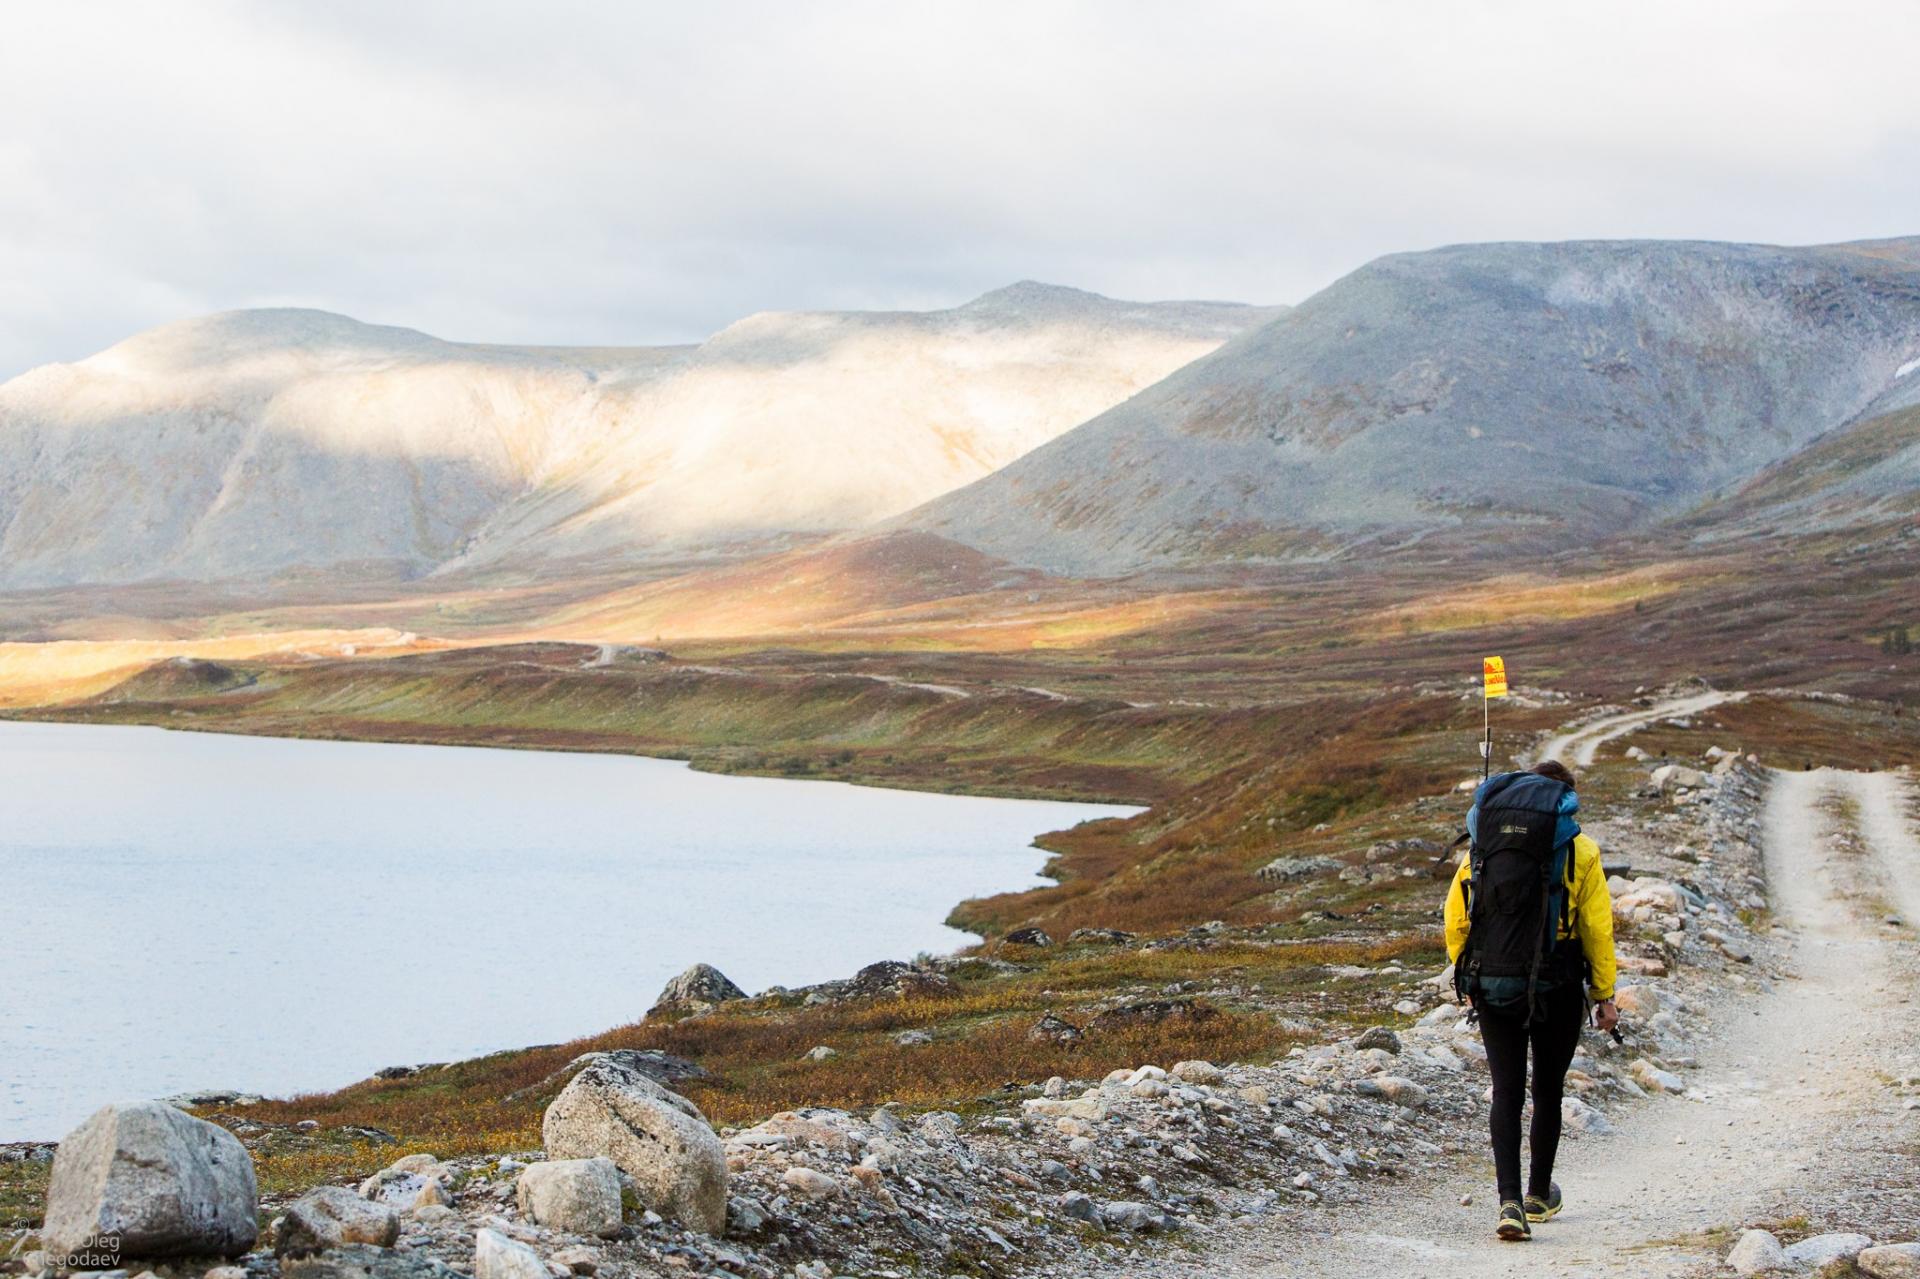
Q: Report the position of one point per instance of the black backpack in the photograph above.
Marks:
(1518, 894)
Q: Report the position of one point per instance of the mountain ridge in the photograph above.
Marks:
(1527, 395)
(249, 443)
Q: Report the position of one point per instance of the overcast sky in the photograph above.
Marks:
(619, 172)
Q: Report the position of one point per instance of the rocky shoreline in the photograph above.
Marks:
(1053, 1179)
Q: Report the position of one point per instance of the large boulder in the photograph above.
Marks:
(154, 1182)
(700, 988)
(579, 1196)
(333, 1217)
(658, 1138)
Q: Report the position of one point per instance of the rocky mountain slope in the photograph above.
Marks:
(1510, 395)
(255, 443)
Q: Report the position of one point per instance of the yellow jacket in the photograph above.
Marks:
(1592, 916)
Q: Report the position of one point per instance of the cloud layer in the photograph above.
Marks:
(610, 173)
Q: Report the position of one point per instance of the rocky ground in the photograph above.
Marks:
(1131, 1173)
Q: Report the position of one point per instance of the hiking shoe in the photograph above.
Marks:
(1539, 1209)
(1513, 1222)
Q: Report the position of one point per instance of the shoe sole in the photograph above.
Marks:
(1548, 1215)
(1512, 1233)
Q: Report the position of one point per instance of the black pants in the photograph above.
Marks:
(1554, 1035)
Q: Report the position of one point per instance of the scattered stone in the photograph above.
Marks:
(1393, 1088)
(820, 1052)
(891, 977)
(1581, 1117)
(213, 1097)
(1823, 1250)
(332, 1217)
(1197, 1072)
(1891, 1261)
(364, 1261)
(1654, 1079)
(1637, 1001)
(658, 1138)
(1078, 1207)
(1136, 1217)
(810, 1184)
(1669, 777)
(1392, 849)
(579, 1259)
(1028, 937)
(497, 1257)
(1732, 947)
(1098, 937)
(1379, 1037)
(1151, 1012)
(1055, 1029)
(1283, 870)
(1757, 1252)
(913, 1039)
(166, 1184)
(578, 1196)
(700, 988)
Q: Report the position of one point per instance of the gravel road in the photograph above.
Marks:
(1791, 1110)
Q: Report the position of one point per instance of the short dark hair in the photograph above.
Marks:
(1555, 769)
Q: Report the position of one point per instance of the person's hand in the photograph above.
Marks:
(1606, 1015)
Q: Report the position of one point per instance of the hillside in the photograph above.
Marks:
(250, 444)
(1529, 396)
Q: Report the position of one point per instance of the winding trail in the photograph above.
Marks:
(1579, 746)
(1788, 1112)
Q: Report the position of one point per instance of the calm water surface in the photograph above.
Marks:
(187, 911)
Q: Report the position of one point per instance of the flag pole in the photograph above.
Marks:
(1493, 683)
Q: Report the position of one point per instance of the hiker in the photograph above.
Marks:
(1530, 933)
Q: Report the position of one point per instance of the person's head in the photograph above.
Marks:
(1555, 769)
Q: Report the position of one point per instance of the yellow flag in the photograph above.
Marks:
(1494, 671)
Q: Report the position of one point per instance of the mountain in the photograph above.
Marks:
(254, 443)
(1493, 396)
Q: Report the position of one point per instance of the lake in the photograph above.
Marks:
(188, 911)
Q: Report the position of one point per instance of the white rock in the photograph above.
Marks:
(1637, 1001)
(165, 1183)
(497, 1257)
(579, 1196)
(810, 1184)
(1581, 1117)
(1654, 1079)
(658, 1138)
(1197, 1072)
(1891, 1261)
(1757, 1252)
(1823, 1250)
(1398, 1090)
(332, 1217)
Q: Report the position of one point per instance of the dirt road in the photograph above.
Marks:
(1790, 1110)
(1578, 746)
